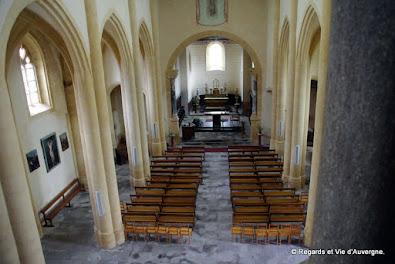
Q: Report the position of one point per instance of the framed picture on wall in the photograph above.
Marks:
(32, 160)
(50, 151)
(64, 142)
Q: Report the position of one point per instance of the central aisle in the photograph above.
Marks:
(213, 206)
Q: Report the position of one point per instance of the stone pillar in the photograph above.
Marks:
(290, 89)
(138, 68)
(173, 126)
(298, 124)
(109, 190)
(354, 202)
(319, 120)
(155, 127)
(132, 125)
(14, 184)
(8, 248)
(158, 87)
(75, 133)
(274, 127)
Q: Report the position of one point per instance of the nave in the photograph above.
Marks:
(211, 239)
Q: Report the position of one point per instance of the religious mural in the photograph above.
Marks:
(211, 12)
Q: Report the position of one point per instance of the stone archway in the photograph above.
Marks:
(170, 75)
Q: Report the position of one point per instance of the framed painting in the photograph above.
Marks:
(64, 142)
(32, 160)
(50, 151)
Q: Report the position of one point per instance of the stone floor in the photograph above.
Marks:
(72, 239)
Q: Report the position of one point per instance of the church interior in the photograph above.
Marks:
(196, 131)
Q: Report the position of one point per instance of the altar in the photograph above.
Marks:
(216, 100)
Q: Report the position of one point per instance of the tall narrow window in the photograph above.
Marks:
(215, 56)
(32, 64)
(29, 76)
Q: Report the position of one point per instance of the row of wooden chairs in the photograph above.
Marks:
(158, 230)
(266, 232)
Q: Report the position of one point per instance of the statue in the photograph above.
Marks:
(206, 88)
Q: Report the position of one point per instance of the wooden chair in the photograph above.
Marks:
(237, 230)
(173, 230)
(284, 231)
(128, 229)
(124, 208)
(296, 230)
(185, 230)
(151, 229)
(248, 230)
(140, 229)
(261, 231)
(272, 231)
(161, 230)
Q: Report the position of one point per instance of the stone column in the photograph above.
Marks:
(14, 184)
(298, 124)
(110, 189)
(75, 133)
(132, 125)
(319, 120)
(274, 127)
(173, 126)
(290, 88)
(157, 69)
(8, 248)
(156, 141)
(354, 202)
(281, 93)
(138, 68)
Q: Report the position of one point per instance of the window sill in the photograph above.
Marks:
(38, 109)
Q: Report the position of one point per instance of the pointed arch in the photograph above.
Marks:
(310, 29)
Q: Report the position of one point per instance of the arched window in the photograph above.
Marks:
(215, 56)
(34, 77)
(29, 76)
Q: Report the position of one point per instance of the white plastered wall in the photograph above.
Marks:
(199, 76)
(44, 185)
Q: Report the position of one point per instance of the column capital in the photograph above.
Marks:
(172, 74)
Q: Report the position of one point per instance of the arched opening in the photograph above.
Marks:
(189, 84)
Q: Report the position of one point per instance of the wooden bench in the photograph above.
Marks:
(291, 217)
(248, 202)
(174, 180)
(251, 209)
(166, 218)
(178, 209)
(251, 218)
(59, 201)
(129, 218)
(175, 165)
(272, 201)
(181, 201)
(246, 194)
(164, 159)
(142, 209)
(145, 201)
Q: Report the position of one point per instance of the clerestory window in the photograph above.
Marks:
(215, 56)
